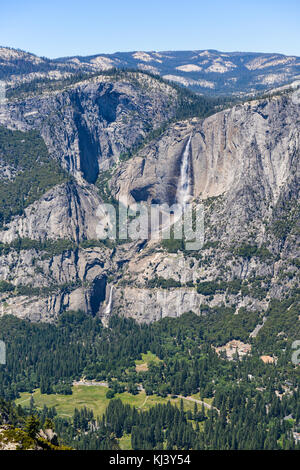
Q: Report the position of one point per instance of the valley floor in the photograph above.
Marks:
(94, 398)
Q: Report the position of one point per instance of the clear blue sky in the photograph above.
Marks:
(56, 28)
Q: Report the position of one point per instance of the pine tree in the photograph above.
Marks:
(32, 426)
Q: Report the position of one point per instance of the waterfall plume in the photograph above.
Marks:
(107, 310)
(183, 192)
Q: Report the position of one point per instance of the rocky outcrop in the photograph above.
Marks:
(147, 305)
(67, 211)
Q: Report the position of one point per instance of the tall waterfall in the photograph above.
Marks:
(107, 310)
(184, 183)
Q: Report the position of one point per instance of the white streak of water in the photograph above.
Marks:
(183, 192)
(107, 310)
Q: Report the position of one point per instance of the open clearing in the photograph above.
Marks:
(142, 365)
(94, 398)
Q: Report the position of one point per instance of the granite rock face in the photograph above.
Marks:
(255, 144)
(66, 211)
(87, 126)
(244, 169)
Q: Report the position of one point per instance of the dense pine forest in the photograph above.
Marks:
(32, 171)
(255, 404)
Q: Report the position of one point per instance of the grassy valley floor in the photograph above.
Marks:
(94, 398)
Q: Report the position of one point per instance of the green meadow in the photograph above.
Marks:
(94, 398)
(147, 358)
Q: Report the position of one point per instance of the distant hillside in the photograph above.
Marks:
(207, 72)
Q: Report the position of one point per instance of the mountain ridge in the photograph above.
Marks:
(204, 71)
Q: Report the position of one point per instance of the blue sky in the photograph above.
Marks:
(70, 27)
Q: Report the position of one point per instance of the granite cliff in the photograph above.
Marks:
(243, 167)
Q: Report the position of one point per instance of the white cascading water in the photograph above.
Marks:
(183, 193)
(107, 310)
